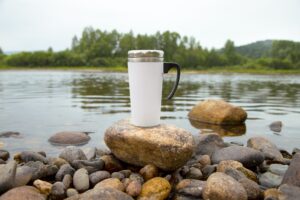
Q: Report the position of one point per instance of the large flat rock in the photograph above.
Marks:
(164, 146)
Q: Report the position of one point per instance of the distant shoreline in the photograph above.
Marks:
(216, 70)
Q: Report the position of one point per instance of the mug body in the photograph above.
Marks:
(145, 84)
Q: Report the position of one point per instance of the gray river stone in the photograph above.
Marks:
(81, 180)
(247, 156)
(72, 153)
(7, 176)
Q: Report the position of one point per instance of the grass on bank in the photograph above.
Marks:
(213, 70)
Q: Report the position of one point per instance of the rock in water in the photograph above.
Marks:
(218, 112)
(247, 156)
(23, 193)
(4, 155)
(69, 138)
(292, 175)
(164, 146)
(220, 186)
(7, 176)
(276, 126)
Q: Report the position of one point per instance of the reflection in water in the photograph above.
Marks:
(38, 104)
(222, 130)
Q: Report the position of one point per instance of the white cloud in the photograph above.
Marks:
(38, 24)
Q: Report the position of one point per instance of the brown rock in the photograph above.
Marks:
(69, 138)
(134, 188)
(149, 171)
(43, 186)
(204, 160)
(170, 147)
(271, 194)
(111, 164)
(23, 193)
(227, 164)
(103, 194)
(57, 161)
(220, 186)
(252, 189)
(155, 189)
(292, 175)
(217, 112)
(110, 183)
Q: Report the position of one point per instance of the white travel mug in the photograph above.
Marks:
(145, 70)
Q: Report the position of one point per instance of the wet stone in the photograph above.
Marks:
(103, 194)
(43, 186)
(136, 177)
(81, 180)
(90, 166)
(247, 156)
(110, 183)
(69, 138)
(149, 171)
(63, 170)
(7, 176)
(4, 155)
(23, 175)
(71, 192)
(23, 193)
(220, 186)
(90, 152)
(118, 175)
(208, 170)
(8, 134)
(98, 176)
(190, 188)
(111, 164)
(194, 173)
(58, 191)
(134, 188)
(72, 153)
(67, 180)
(292, 175)
(155, 188)
(270, 180)
(278, 169)
(27, 156)
(207, 144)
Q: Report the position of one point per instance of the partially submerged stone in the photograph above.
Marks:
(218, 112)
(69, 138)
(164, 146)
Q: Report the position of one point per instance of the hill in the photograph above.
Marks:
(255, 49)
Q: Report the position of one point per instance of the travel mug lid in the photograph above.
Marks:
(145, 56)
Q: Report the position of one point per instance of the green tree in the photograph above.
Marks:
(1, 51)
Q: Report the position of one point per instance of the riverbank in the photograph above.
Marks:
(213, 70)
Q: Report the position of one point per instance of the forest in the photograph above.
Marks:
(109, 49)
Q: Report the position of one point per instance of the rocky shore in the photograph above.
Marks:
(156, 163)
(217, 170)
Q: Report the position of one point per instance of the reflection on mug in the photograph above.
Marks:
(222, 130)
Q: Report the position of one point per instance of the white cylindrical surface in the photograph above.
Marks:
(145, 84)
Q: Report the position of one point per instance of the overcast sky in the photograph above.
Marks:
(38, 24)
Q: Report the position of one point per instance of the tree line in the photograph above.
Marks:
(109, 48)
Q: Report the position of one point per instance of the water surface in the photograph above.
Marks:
(40, 103)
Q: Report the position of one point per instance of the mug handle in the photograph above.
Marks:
(167, 67)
